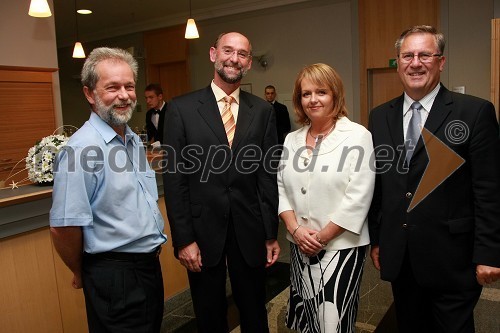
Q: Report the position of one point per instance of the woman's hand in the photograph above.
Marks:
(306, 241)
(302, 235)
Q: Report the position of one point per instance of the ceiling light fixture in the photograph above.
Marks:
(191, 30)
(84, 11)
(78, 51)
(39, 8)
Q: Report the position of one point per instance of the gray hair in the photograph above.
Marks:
(89, 73)
(426, 29)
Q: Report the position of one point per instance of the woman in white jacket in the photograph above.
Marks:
(326, 182)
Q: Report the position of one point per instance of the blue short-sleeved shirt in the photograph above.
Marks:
(107, 187)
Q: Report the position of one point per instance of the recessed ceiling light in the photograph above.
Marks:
(84, 11)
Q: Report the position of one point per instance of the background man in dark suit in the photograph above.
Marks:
(438, 253)
(156, 112)
(282, 117)
(221, 192)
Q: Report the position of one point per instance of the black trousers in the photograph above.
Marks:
(123, 294)
(420, 309)
(208, 292)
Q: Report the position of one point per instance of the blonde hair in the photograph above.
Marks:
(324, 76)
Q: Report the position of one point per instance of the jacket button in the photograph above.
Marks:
(405, 225)
(409, 195)
(303, 190)
(306, 161)
(304, 218)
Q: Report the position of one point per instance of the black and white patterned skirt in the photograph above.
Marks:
(324, 290)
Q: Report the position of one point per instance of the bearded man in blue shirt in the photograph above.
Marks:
(105, 222)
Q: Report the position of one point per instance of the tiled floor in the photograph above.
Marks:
(375, 300)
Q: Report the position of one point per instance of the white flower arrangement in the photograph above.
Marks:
(40, 159)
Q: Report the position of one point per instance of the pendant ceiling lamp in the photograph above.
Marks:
(39, 8)
(78, 51)
(191, 30)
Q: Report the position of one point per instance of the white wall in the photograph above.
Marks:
(26, 41)
(29, 42)
(467, 28)
(291, 38)
(314, 31)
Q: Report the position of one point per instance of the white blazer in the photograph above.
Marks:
(333, 184)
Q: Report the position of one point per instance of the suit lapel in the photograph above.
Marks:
(209, 111)
(161, 119)
(395, 123)
(440, 110)
(342, 131)
(245, 118)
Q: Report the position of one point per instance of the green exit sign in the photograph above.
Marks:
(393, 63)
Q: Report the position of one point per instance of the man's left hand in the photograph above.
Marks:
(273, 251)
(487, 274)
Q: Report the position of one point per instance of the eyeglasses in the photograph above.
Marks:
(243, 55)
(422, 57)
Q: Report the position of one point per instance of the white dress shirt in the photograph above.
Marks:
(426, 103)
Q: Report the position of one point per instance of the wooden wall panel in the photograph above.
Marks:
(383, 85)
(380, 24)
(167, 54)
(166, 45)
(174, 274)
(29, 296)
(26, 115)
(174, 79)
(71, 300)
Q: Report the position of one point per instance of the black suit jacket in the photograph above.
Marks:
(154, 133)
(282, 121)
(457, 225)
(207, 183)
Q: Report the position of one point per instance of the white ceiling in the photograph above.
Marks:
(112, 18)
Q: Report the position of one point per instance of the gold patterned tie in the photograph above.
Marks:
(228, 119)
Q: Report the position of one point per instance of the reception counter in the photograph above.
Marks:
(35, 285)
(24, 209)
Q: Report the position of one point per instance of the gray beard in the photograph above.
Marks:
(110, 116)
(219, 67)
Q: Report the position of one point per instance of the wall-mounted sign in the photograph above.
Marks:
(393, 63)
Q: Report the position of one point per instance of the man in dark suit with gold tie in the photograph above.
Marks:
(221, 192)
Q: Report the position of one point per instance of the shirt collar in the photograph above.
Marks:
(426, 101)
(220, 94)
(106, 131)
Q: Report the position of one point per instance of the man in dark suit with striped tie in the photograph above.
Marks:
(221, 192)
